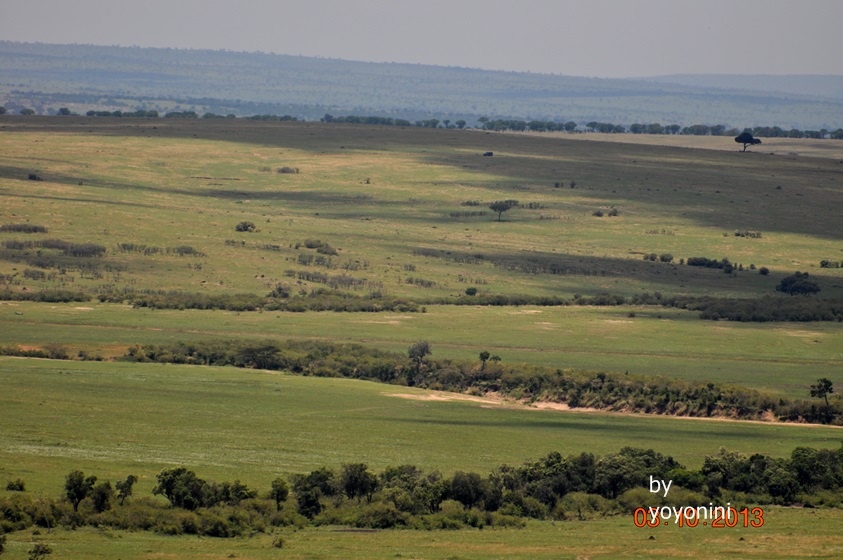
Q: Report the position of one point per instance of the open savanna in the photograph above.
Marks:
(380, 195)
(115, 419)
(385, 199)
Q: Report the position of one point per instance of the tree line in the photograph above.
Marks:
(486, 123)
(574, 487)
(524, 382)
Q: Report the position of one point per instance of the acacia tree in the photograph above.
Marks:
(747, 139)
(501, 206)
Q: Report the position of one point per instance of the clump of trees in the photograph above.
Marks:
(798, 284)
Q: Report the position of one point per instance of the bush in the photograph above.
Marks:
(288, 170)
(245, 226)
(16, 485)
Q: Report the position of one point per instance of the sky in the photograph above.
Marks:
(601, 38)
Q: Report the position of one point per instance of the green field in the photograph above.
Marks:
(115, 419)
(793, 534)
(392, 204)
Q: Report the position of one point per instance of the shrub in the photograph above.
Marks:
(245, 226)
(471, 291)
(763, 271)
(598, 213)
(288, 170)
(16, 485)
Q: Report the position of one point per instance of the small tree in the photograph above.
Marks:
(77, 487)
(501, 206)
(822, 390)
(747, 139)
(279, 492)
(417, 352)
(484, 356)
(101, 496)
(357, 481)
(124, 488)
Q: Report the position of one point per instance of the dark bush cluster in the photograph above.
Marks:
(23, 228)
(66, 247)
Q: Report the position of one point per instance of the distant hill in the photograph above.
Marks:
(85, 77)
(820, 86)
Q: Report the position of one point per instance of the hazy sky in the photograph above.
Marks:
(607, 38)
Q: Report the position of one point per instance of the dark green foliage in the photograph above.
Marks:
(279, 492)
(101, 496)
(124, 487)
(53, 296)
(798, 284)
(357, 481)
(181, 487)
(77, 487)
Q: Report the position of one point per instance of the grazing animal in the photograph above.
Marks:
(488, 154)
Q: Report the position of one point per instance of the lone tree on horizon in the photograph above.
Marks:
(747, 139)
(501, 206)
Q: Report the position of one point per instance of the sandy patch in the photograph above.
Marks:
(443, 396)
(84, 308)
(525, 312)
(494, 400)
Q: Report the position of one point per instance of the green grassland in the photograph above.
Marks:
(790, 533)
(112, 419)
(384, 198)
(379, 195)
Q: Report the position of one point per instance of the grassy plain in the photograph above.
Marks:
(112, 419)
(380, 195)
(385, 198)
(789, 533)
